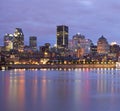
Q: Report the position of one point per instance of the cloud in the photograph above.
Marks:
(40, 17)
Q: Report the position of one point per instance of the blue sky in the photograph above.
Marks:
(91, 18)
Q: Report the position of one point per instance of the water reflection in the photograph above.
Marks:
(60, 90)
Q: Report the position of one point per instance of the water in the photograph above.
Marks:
(60, 90)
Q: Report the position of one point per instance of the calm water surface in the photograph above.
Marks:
(60, 90)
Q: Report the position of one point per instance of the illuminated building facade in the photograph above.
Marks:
(8, 42)
(62, 37)
(80, 45)
(33, 43)
(103, 46)
(18, 42)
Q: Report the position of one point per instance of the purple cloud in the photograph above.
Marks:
(92, 18)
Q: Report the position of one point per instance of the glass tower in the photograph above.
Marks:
(18, 43)
(62, 36)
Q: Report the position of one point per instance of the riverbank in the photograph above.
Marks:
(55, 66)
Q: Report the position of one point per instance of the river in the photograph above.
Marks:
(82, 89)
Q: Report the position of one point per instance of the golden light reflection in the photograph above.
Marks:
(16, 91)
(34, 89)
(44, 90)
(107, 81)
(21, 91)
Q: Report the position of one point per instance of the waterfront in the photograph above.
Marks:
(81, 89)
(58, 66)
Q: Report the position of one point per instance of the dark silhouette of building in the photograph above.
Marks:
(33, 43)
(114, 48)
(62, 36)
(45, 50)
(93, 49)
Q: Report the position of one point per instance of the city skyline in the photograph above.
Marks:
(91, 18)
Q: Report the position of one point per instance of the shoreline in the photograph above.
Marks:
(57, 66)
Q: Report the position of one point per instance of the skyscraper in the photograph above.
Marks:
(62, 36)
(33, 42)
(18, 42)
(8, 42)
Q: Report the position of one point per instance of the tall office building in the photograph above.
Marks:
(18, 42)
(62, 36)
(33, 42)
(8, 42)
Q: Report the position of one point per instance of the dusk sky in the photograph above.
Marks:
(91, 18)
